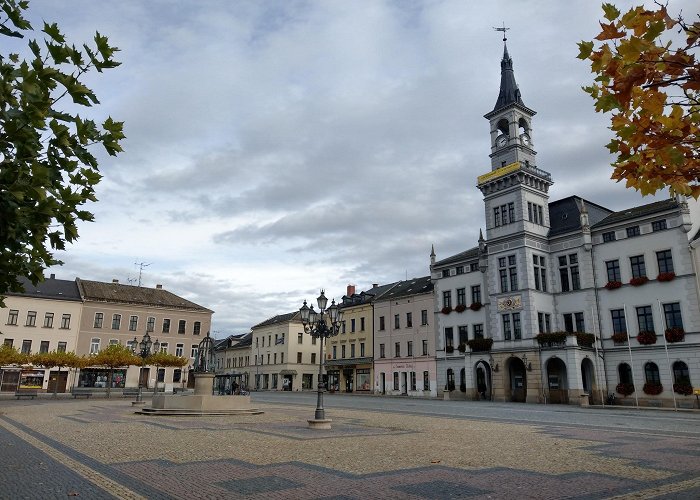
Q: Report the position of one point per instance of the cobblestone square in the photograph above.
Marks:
(101, 449)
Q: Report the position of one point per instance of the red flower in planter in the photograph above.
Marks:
(683, 388)
(461, 308)
(620, 337)
(646, 338)
(666, 276)
(639, 281)
(653, 388)
(446, 310)
(613, 285)
(475, 306)
(675, 334)
(624, 389)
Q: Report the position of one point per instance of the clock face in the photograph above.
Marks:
(501, 140)
(525, 139)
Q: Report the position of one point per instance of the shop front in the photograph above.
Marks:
(9, 379)
(99, 377)
(350, 375)
(31, 379)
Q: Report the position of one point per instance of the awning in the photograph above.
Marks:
(288, 372)
(348, 362)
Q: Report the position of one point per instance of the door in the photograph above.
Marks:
(348, 380)
(57, 382)
(404, 383)
(143, 377)
(518, 380)
(382, 382)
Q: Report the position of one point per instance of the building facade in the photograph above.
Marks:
(284, 357)
(404, 339)
(578, 300)
(44, 318)
(114, 313)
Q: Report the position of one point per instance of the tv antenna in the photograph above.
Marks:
(141, 266)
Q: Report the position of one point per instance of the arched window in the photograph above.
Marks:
(681, 375)
(624, 373)
(450, 379)
(651, 373)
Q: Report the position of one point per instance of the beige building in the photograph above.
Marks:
(232, 362)
(115, 313)
(44, 318)
(349, 355)
(284, 357)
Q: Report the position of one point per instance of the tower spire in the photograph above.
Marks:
(509, 92)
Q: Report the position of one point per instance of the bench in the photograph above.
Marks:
(81, 393)
(130, 392)
(26, 393)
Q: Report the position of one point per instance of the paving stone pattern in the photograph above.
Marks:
(101, 449)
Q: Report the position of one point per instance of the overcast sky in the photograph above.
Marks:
(274, 148)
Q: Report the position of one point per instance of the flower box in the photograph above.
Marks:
(620, 338)
(585, 339)
(653, 389)
(446, 310)
(475, 306)
(449, 349)
(480, 345)
(461, 308)
(462, 348)
(613, 285)
(666, 276)
(624, 389)
(639, 281)
(675, 334)
(683, 388)
(646, 338)
(554, 339)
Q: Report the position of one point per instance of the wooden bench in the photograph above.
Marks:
(26, 393)
(81, 393)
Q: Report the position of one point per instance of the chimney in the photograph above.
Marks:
(159, 286)
(52, 277)
(115, 280)
(351, 290)
(375, 285)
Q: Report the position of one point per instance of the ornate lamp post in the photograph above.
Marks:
(321, 325)
(144, 350)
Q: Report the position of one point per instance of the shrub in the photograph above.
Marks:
(653, 388)
(475, 306)
(675, 334)
(480, 345)
(646, 338)
(446, 310)
(461, 308)
(624, 389)
(639, 281)
(613, 285)
(620, 337)
(666, 276)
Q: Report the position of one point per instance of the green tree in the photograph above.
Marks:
(47, 167)
(114, 356)
(11, 356)
(649, 80)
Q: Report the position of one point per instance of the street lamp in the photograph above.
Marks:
(321, 325)
(144, 350)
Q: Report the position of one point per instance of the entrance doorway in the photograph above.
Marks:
(57, 381)
(143, 377)
(382, 382)
(557, 381)
(588, 378)
(483, 380)
(404, 383)
(518, 380)
(349, 380)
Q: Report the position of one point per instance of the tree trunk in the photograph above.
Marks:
(55, 385)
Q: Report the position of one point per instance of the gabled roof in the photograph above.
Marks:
(407, 288)
(636, 212)
(98, 291)
(471, 254)
(280, 318)
(50, 288)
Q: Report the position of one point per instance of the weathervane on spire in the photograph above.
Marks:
(503, 29)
